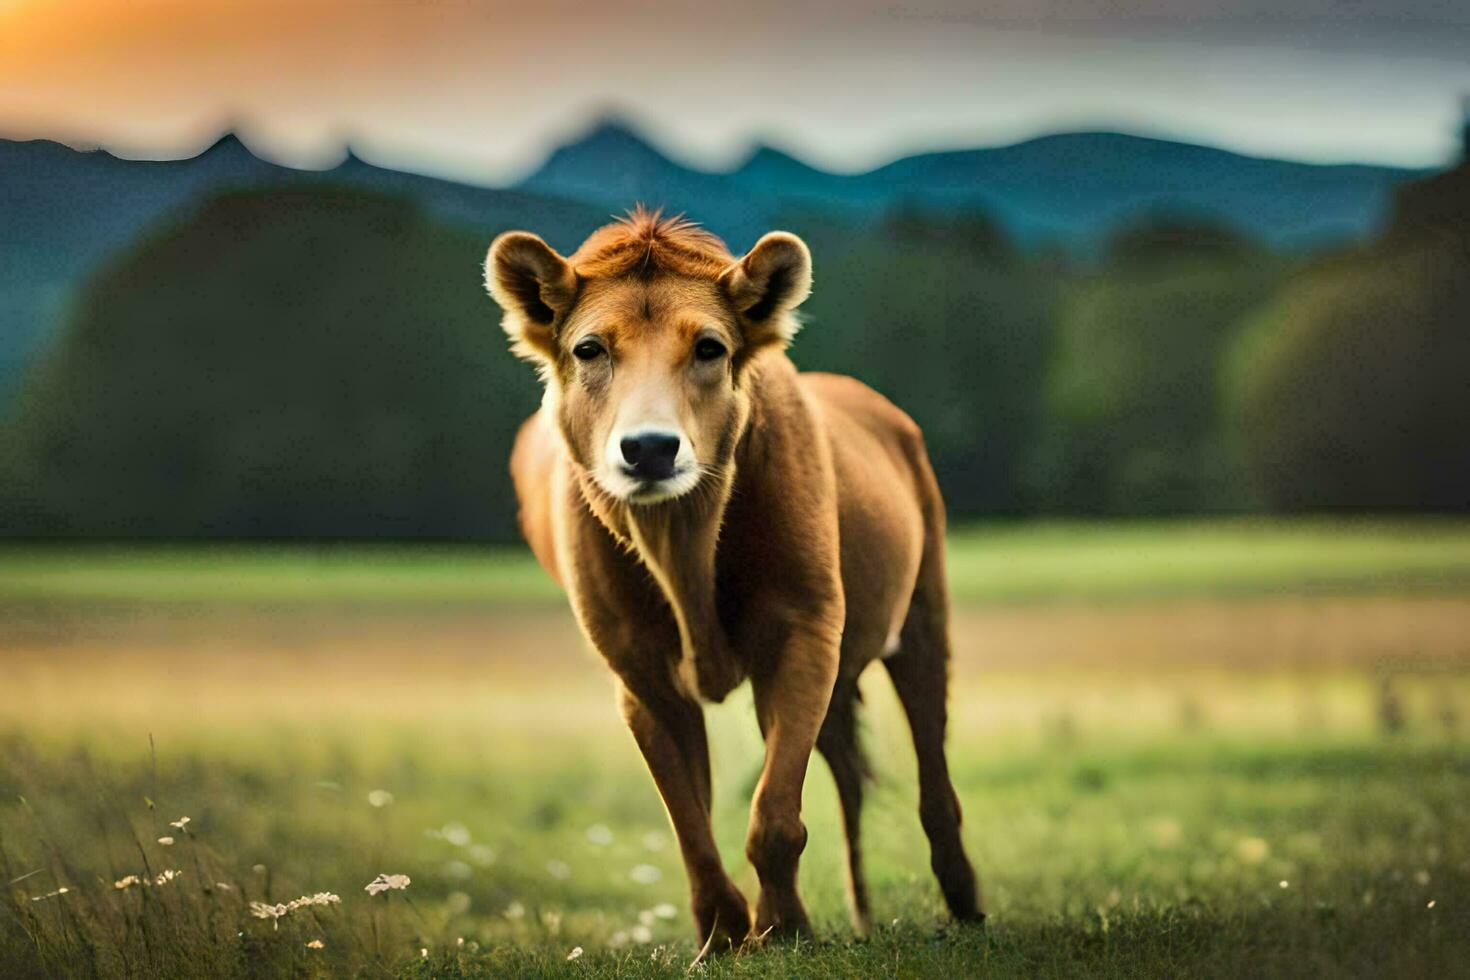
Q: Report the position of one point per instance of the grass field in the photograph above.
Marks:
(1210, 750)
(1007, 563)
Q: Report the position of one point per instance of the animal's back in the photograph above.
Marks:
(888, 506)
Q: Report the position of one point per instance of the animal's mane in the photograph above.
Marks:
(645, 243)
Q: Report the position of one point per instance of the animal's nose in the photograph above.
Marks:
(650, 455)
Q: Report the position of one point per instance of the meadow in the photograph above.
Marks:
(1209, 749)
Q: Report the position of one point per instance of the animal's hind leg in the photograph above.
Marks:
(838, 743)
(920, 673)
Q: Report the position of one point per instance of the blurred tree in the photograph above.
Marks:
(291, 362)
(1131, 396)
(943, 318)
(1164, 238)
(316, 361)
(1350, 391)
(911, 225)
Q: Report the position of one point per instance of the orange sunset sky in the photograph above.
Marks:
(479, 88)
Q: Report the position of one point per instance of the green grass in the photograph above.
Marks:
(988, 564)
(1131, 812)
(211, 574)
(1104, 860)
(1207, 558)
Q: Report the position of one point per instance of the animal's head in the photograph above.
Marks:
(642, 337)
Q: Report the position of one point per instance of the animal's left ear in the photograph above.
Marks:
(766, 287)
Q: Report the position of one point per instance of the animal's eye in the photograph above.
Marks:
(709, 349)
(587, 350)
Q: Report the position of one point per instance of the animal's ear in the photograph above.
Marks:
(767, 285)
(534, 285)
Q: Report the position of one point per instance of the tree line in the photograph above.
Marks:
(318, 362)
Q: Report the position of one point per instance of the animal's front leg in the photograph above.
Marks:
(791, 701)
(669, 730)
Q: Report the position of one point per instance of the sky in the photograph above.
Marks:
(480, 89)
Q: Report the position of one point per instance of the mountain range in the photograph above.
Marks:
(64, 211)
(1071, 189)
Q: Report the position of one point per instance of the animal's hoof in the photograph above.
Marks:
(723, 919)
(785, 919)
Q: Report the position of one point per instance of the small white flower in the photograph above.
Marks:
(179, 824)
(514, 911)
(60, 891)
(379, 798)
(576, 952)
(600, 835)
(166, 841)
(665, 911)
(456, 833)
(641, 934)
(316, 944)
(559, 870)
(1285, 883)
(265, 910)
(383, 883)
(647, 917)
(645, 874)
(162, 878)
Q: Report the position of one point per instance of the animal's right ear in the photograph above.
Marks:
(534, 285)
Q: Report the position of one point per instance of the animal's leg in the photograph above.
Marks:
(791, 701)
(920, 673)
(669, 730)
(838, 743)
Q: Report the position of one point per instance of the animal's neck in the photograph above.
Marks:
(679, 550)
(677, 541)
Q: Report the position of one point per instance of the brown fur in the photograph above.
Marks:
(813, 538)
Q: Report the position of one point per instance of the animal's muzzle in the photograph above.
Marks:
(650, 455)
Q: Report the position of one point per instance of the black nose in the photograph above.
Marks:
(650, 455)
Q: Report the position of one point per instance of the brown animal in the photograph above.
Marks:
(715, 516)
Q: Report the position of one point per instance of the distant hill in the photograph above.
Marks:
(614, 167)
(63, 210)
(1074, 189)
